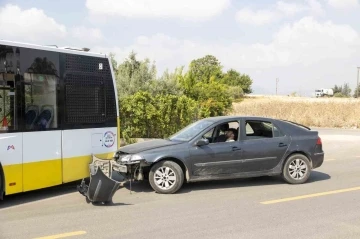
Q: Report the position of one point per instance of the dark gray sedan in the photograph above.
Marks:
(225, 147)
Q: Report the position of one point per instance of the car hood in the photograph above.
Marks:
(147, 145)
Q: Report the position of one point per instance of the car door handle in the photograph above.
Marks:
(282, 145)
(235, 148)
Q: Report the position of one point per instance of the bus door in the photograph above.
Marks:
(42, 155)
(10, 136)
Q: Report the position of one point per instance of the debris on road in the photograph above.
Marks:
(102, 185)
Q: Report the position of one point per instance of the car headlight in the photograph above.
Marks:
(130, 158)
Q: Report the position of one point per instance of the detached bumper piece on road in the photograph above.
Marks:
(102, 185)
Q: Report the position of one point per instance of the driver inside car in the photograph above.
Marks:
(230, 135)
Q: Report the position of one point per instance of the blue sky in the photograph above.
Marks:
(307, 44)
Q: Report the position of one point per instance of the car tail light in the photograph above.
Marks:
(319, 142)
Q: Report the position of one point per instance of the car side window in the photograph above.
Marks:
(249, 130)
(277, 132)
(256, 129)
(209, 135)
(224, 132)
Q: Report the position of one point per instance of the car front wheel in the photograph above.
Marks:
(297, 169)
(166, 177)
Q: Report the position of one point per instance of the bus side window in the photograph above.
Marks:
(40, 101)
(9, 74)
(41, 78)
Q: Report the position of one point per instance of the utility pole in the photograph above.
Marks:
(277, 81)
(357, 83)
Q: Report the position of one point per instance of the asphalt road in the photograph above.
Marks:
(326, 207)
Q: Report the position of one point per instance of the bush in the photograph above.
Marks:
(339, 95)
(214, 99)
(236, 92)
(145, 116)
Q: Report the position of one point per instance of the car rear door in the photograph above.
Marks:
(263, 146)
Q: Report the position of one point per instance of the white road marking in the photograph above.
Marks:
(63, 235)
(311, 195)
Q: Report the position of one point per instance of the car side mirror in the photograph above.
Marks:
(202, 142)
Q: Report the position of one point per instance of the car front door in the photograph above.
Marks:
(218, 157)
(263, 146)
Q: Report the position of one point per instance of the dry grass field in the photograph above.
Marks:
(313, 112)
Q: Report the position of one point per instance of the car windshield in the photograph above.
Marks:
(191, 130)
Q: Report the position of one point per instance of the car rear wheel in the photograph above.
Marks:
(166, 177)
(297, 169)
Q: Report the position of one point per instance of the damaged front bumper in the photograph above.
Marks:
(137, 166)
(104, 182)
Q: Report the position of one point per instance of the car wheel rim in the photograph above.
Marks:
(298, 169)
(165, 178)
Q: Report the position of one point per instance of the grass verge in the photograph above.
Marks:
(313, 112)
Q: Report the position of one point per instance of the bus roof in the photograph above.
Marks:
(67, 50)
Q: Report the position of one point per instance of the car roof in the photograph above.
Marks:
(293, 125)
(236, 117)
(288, 126)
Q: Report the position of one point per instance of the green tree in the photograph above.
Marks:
(202, 69)
(234, 78)
(214, 98)
(357, 91)
(168, 83)
(114, 63)
(337, 89)
(342, 91)
(134, 75)
(203, 83)
(346, 91)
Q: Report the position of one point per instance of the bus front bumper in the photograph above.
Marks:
(105, 179)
